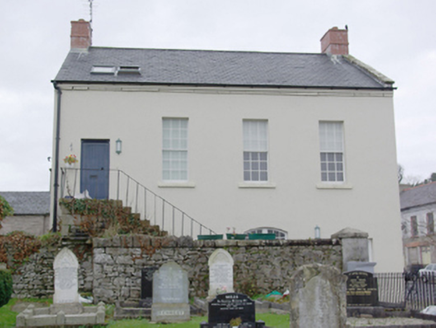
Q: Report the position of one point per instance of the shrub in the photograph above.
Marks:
(16, 247)
(5, 209)
(5, 287)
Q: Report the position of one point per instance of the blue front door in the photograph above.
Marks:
(95, 168)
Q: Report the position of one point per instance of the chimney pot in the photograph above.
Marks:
(335, 42)
(81, 34)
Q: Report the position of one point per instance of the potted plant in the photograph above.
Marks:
(70, 160)
(234, 323)
(221, 290)
(234, 235)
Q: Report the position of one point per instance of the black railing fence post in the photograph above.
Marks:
(75, 181)
(145, 203)
(136, 200)
(63, 174)
(118, 184)
(127, 191)
(155, 206)
(163, 214)
(173, 222)
(183, 223)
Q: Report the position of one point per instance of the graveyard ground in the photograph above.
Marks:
(9, 312)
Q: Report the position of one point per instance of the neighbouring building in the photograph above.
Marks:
(418, 205)
(31, 212)
(258, 141)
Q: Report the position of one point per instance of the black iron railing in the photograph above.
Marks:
(391, 289)
(410, 291)
(118, 185)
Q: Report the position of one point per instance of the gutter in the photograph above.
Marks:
(56, 157)
(385, 87)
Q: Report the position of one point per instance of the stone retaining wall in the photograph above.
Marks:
(111, 268)
(35, 278)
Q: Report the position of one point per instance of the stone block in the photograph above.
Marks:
(66, 308)
(126, 241)
(185, 241)
(116, 241)
(170, 313)
(44, 320)
(124, 260)
(60, 318)
(141, 241)
(103, 259)
(100, 315)
(135, 292)
(21, 320)
(80, 319)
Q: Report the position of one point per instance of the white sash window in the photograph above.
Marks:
(175, 149)
(331, 151)
(255, 150)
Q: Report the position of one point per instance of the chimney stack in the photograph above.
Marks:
(81, 34)
(335, 42)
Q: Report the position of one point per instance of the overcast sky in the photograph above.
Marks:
(396, 37)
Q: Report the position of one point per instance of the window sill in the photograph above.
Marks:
(324, 185)
(267, 185)
(174, 184)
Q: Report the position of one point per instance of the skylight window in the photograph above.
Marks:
(103, 70)
(129, 70)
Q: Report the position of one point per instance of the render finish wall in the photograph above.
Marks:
(294, 199)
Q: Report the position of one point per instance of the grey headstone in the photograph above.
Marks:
(170, 294)
(66, 284)
(318, 297)
(220, 273)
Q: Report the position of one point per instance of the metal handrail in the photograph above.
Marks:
(144, 201)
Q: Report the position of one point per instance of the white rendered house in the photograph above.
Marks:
(256, 141)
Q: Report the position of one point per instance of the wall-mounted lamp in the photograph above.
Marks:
(118, 146)
(317, 232)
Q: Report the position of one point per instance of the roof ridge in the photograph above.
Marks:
(419, 186)
(212, 50)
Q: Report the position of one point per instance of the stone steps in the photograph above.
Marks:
(68, 222)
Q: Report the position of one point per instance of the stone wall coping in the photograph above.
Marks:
(349, 233)
(140, 241)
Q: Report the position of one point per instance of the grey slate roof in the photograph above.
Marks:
(418, 196)
(219, 68)
(28, 202)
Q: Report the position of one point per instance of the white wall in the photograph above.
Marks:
(295, 199)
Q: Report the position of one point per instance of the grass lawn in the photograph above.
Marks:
(8, 318)
(271, 320)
